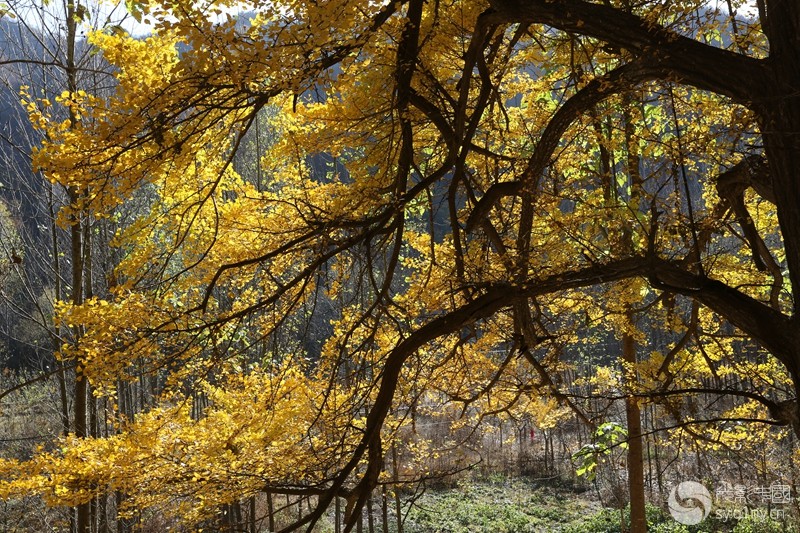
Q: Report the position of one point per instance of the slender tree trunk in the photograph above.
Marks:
(270, 513)
(336, 512)
(384, 509)
(81, 385)
(58, 295)
(633, 417)
(102, 512)
(370, 516)
(76, 236)
(252, 515)
(397, 501)
(649, 446)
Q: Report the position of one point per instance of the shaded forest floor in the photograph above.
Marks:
(520, 505)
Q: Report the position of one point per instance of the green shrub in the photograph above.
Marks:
(761, 524)
(608, 521)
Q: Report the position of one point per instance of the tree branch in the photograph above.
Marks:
(688, 61)
(584, 100)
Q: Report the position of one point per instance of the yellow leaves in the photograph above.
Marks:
(605, 379)
(71, 476)
(547, 413)
(142, 61)
(107, 326)
(217, 272)
(255, 430)
(737, 433)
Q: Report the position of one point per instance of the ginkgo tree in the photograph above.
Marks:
(457, 180)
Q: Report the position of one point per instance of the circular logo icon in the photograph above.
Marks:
(689, 503)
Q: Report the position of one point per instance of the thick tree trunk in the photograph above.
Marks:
(780, 122)
(782, 144)
(780, 117)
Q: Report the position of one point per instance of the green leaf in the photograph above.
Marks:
(5, 11)
(134, 8)
(81, 13)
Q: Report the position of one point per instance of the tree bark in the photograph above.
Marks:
(633, 418)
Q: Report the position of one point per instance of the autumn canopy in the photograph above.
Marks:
(442, 203)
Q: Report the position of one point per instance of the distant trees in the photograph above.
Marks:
(45, 53)
(502, 182)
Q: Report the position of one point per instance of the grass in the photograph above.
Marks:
(500, 506)
(492, 506)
